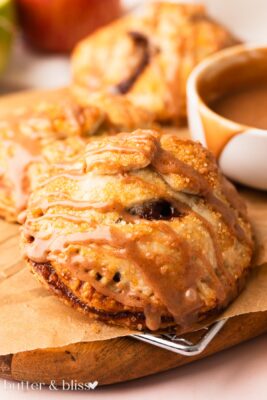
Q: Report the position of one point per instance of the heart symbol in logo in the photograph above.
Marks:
(93, 385)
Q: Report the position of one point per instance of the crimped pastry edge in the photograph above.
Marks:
(134, 320)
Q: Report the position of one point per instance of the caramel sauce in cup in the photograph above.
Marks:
(246, 106)
(228, 91)
(226, 103)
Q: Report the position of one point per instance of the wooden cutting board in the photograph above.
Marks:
(118, 359)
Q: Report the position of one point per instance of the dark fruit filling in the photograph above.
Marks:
(142, 42)
(155, 210)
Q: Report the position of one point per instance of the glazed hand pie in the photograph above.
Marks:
(53, 128)
(147, 58)
(34, 137)
(141, 230)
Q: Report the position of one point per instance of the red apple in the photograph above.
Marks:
(57, 25)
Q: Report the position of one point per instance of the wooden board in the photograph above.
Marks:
(119, 359)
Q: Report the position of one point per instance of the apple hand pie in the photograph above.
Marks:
(35, 136)
(142, 230)
(55, 127)
(147, 58)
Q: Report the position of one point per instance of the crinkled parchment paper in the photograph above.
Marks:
(31, 318)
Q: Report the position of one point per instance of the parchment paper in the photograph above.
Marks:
(31, 318)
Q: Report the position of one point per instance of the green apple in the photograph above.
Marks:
(7, 28)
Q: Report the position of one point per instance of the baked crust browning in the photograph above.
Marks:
(34, 136)
(48, 277)
(101, 308)
(147, 58)
(143, 224)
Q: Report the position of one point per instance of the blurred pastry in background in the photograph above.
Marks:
(34, 136)
(147, 57)
(49, 129)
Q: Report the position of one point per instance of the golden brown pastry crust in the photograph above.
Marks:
(147, 58)
(54, 127)
(142, 230)
(35, 136)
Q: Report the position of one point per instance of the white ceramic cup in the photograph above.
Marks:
(241, 150)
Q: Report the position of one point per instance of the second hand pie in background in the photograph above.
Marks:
(146, 57)
(36, 134)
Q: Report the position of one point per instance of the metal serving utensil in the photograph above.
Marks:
(180, 345)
